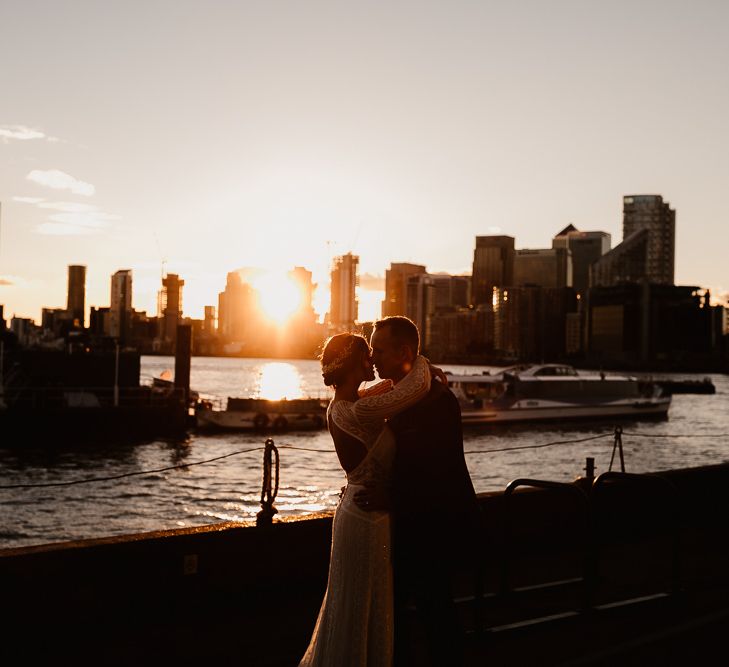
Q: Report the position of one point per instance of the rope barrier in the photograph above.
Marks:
(677, 435)
(331, 451)
(546, 444)
(129, 474)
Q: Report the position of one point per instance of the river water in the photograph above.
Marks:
(212, 478)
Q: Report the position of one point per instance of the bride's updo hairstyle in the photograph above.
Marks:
(342, 353)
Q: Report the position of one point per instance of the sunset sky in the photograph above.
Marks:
(215, 135)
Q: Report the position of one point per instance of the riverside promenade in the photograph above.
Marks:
(618, 569)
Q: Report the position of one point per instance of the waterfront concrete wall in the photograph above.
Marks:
(238, 594)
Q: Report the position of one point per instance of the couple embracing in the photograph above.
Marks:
(408, 512)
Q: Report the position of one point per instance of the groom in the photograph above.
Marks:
(432, 501)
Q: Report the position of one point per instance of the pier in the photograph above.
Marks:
(89, 395)
(609, 570)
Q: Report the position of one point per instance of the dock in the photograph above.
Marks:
(619, 569)
(91, 395)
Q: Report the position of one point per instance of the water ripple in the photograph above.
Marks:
(229, 489)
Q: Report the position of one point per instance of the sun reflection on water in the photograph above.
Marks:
(280, 380)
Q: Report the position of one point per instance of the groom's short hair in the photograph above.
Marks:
(402, 329)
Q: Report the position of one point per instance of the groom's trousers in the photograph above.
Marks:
(428, 630)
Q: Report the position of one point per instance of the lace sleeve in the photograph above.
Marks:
(414, 386)
(375, 390)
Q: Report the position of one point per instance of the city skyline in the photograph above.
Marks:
(171, 137)
(268, 284)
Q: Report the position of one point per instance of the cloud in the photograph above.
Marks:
(68, 206)
(28, 200)
(19, 132)
(77, 223)
(59, 180)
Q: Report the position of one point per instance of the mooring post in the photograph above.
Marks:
(269, 488)
(619, 446)
(590, 468)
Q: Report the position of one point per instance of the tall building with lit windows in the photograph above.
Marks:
(343, 307)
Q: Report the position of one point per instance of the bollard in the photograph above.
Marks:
(269, 489)
(590, 468)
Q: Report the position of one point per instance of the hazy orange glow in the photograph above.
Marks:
(280, 380)
(280, 297)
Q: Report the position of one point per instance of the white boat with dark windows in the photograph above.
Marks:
(242, 414)
(538, 392)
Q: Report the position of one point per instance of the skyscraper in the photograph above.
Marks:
(343, 308)
(396, 287)
(302, 278)
(451, 291)
(236, 306)
(650, 212)
(76, 301)
(420, 304)
(586, 248)
(493, 266)
(647, 251)
(120, 311)
(209, 321)
(547, 267)
(625, 263)
(170, 305)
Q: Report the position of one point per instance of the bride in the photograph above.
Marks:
(355, 623)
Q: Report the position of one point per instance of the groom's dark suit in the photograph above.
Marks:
(434, 516)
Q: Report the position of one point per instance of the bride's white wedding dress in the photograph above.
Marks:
(355, 623)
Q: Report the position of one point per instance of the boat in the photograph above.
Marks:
(260, 414)
(705, 386)
(538, 392)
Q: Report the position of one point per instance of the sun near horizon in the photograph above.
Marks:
(280, 296)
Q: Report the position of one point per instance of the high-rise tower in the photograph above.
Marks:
(650, 212)
(343, 308)
(120, 311)
(493, 266)
(586, 248)
(170, 305)
(647, 251)
(396, 287)
(76, 301)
